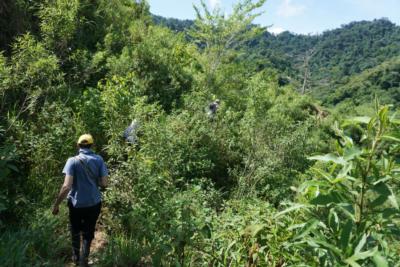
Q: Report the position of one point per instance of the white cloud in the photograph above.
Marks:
(276, 30)
(289, 9)
(214, 3)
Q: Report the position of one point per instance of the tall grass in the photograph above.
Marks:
(43, 242)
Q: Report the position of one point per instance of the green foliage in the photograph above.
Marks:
(34, 77)
(58, 24)
(246, 233)
(43, 144)
(121, 251)
(197, 189)
(218, 36)
(334, 56)
(30, 246)
(159, 60)
(173, 24)
(352, 204)
(276, 134)
(9, 189)
(382, 80)
(17, 17)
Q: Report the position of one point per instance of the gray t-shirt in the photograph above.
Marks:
(85, 191)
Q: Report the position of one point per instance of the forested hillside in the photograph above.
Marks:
(326, 61)
(281, 173)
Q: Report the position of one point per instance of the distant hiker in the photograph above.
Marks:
(130, 133)
(83, 175)
(213, 107)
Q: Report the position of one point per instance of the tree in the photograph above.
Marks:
(218, 36)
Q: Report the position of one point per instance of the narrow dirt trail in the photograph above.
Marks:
(98, 244)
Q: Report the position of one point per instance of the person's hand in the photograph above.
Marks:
(56, 209)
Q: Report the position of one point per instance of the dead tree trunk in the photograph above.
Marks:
(306, 65)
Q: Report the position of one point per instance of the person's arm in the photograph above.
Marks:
(103, 181)
(66, 187)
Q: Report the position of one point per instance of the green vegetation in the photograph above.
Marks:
(275, 178)
(331, 59)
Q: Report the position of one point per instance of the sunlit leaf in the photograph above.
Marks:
(363, 119)
(379, 260)
(361, 244)
(329, 158)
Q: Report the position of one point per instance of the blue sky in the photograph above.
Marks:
(299, 16)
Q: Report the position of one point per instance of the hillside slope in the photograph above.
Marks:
(330, 60)
(382, 81)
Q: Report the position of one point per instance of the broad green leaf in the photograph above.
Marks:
(383, 113)
(345, 235)
(254, 256)
(339, 180)
(382, 189)
(393, 201)
(361, 256)
(361, 244)
(382, 180)
(379, 260)
(300, 225)
(326, 245)
(311, 225)
(324, 174)
(352, 263)
(322, 199)
(361, 119)
(310, 184)
(345, 170)
(230, 246)
(333, 220)
(386, 193)
(351, 153)
(348, 210)
(389, 212)
(379, 201)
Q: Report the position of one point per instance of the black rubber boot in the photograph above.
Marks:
(85, 252)
(76, 246)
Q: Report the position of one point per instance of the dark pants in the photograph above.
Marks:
(83, 220)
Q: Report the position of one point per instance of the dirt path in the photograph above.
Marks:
(98, 244)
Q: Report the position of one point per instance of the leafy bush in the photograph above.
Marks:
(351, 202)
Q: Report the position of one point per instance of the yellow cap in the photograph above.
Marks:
(86, 139)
